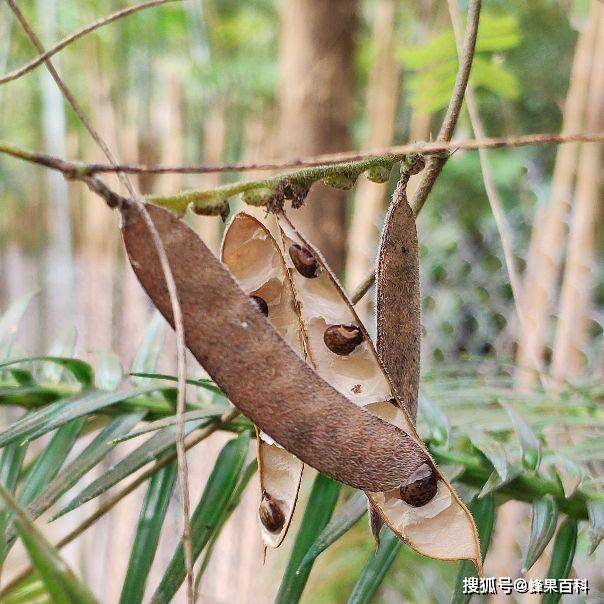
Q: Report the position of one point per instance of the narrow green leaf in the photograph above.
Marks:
(63, 586)
(30, 590)
(9, 322)
(543, 526)
(49, 462)
(201, 382)
(530, 444)
(53, 416)
(85, 461)
(29, 396)
(150, 523)
(494, 482)
(246, 476)
(595, 510)
(218, 490)
(148, 352)
(10, 467)
(320, 506)
(150, 450)
(483, 511)
(23, 377)
(436, 420)
(493, 450)
(351, 511)
(376, 568)
(109, 372)
(80, 370)
(189, 416)
(562, 556)
(63, 346)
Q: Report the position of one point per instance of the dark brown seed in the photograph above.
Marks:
(304, 261)
(270, 514)
(261, 304)
(420, 487)
(342, 339)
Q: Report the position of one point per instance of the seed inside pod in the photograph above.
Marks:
(261, 304)
(342, 339)
(271, 514)
(420, 487)
(304, 261)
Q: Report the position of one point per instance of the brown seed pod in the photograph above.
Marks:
(252, 255)
(343, 339)
(304, 261)
(271, 515)
(261, 304)
(397, 277)
(323, 302)
(420, 487)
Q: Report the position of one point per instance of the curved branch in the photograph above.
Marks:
(20, 71)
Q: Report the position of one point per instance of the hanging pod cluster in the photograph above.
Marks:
(279, 336)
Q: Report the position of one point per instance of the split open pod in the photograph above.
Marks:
(342, 418)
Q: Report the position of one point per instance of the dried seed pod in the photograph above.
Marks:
(441, 528)
(261, 304)
(271, 515)
(253, 256)
(304, 261)
(379, 174)
(342, 339)
(420, 487)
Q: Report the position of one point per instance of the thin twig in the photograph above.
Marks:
(432, 148)
(501, 223)
(436, 162)
(110, 503)
(172, 291)
(17, 73)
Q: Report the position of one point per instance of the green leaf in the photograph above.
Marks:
(10, 468)
(595, 511)
(189, 416)
(148, 353)
(435, 419)
(109, 371)
(246, 476)
(544, 519)
(150, 523)
(494, 482)
(10, 322)
(483, 512)
(23, 377)
(52, 416)
(62, 585)
(320, 506)
(494, 451)
(201, 383)
(149, 451)
(80, 370)
(351, 511)
(29, 396)
(562, 556)
(218, 490)
(95, 452)
(63, 346)
(376, 568)
(529, 443)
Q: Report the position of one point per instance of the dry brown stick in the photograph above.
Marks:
(432, 148)
(20, 71)
(170, 284)
(436, 162)
(110, 503)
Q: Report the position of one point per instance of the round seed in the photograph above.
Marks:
(420, 487)
(261, 304)
(304, 261)
(270, 514)
(342, 339)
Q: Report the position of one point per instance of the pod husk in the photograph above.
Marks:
(252, 255)
(443, 528)
(258, 370)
